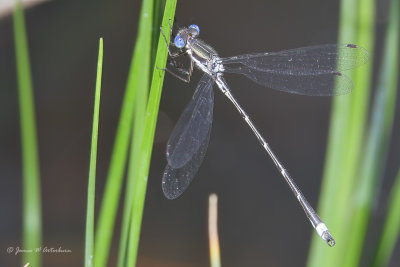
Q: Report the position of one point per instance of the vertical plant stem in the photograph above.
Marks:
(113, 186)
(391, 228)
(146, 146)
(89, 238)
(345, 138)
(379, 133)
(32, 214)
(356, 136)
(213, 240)
(141, 83)
(388, 79)
(336, 148)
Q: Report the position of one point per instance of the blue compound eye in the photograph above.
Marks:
(179, 42)
(195, 27)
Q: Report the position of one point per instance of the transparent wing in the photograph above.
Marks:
(189, 141)
(305, 60)
(313, 70)
(176, 181)
(326, 84)
(193, 125)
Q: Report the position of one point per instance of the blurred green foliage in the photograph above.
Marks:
(357, 153)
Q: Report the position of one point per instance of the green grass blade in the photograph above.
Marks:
(345, 138)
(379, 133)
(32, 214)
(356, 133)
(148, 136)
(141, 71)
(114, 181)
(391, 228)
(158, 12)
(113, 186)
(337, 137)
(89, 238)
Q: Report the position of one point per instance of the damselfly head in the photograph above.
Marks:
(194, 30)
(180, 40)
(185, 34)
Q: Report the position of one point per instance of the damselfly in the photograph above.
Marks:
(313, 70)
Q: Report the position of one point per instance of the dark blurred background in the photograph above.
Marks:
(260, 222)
